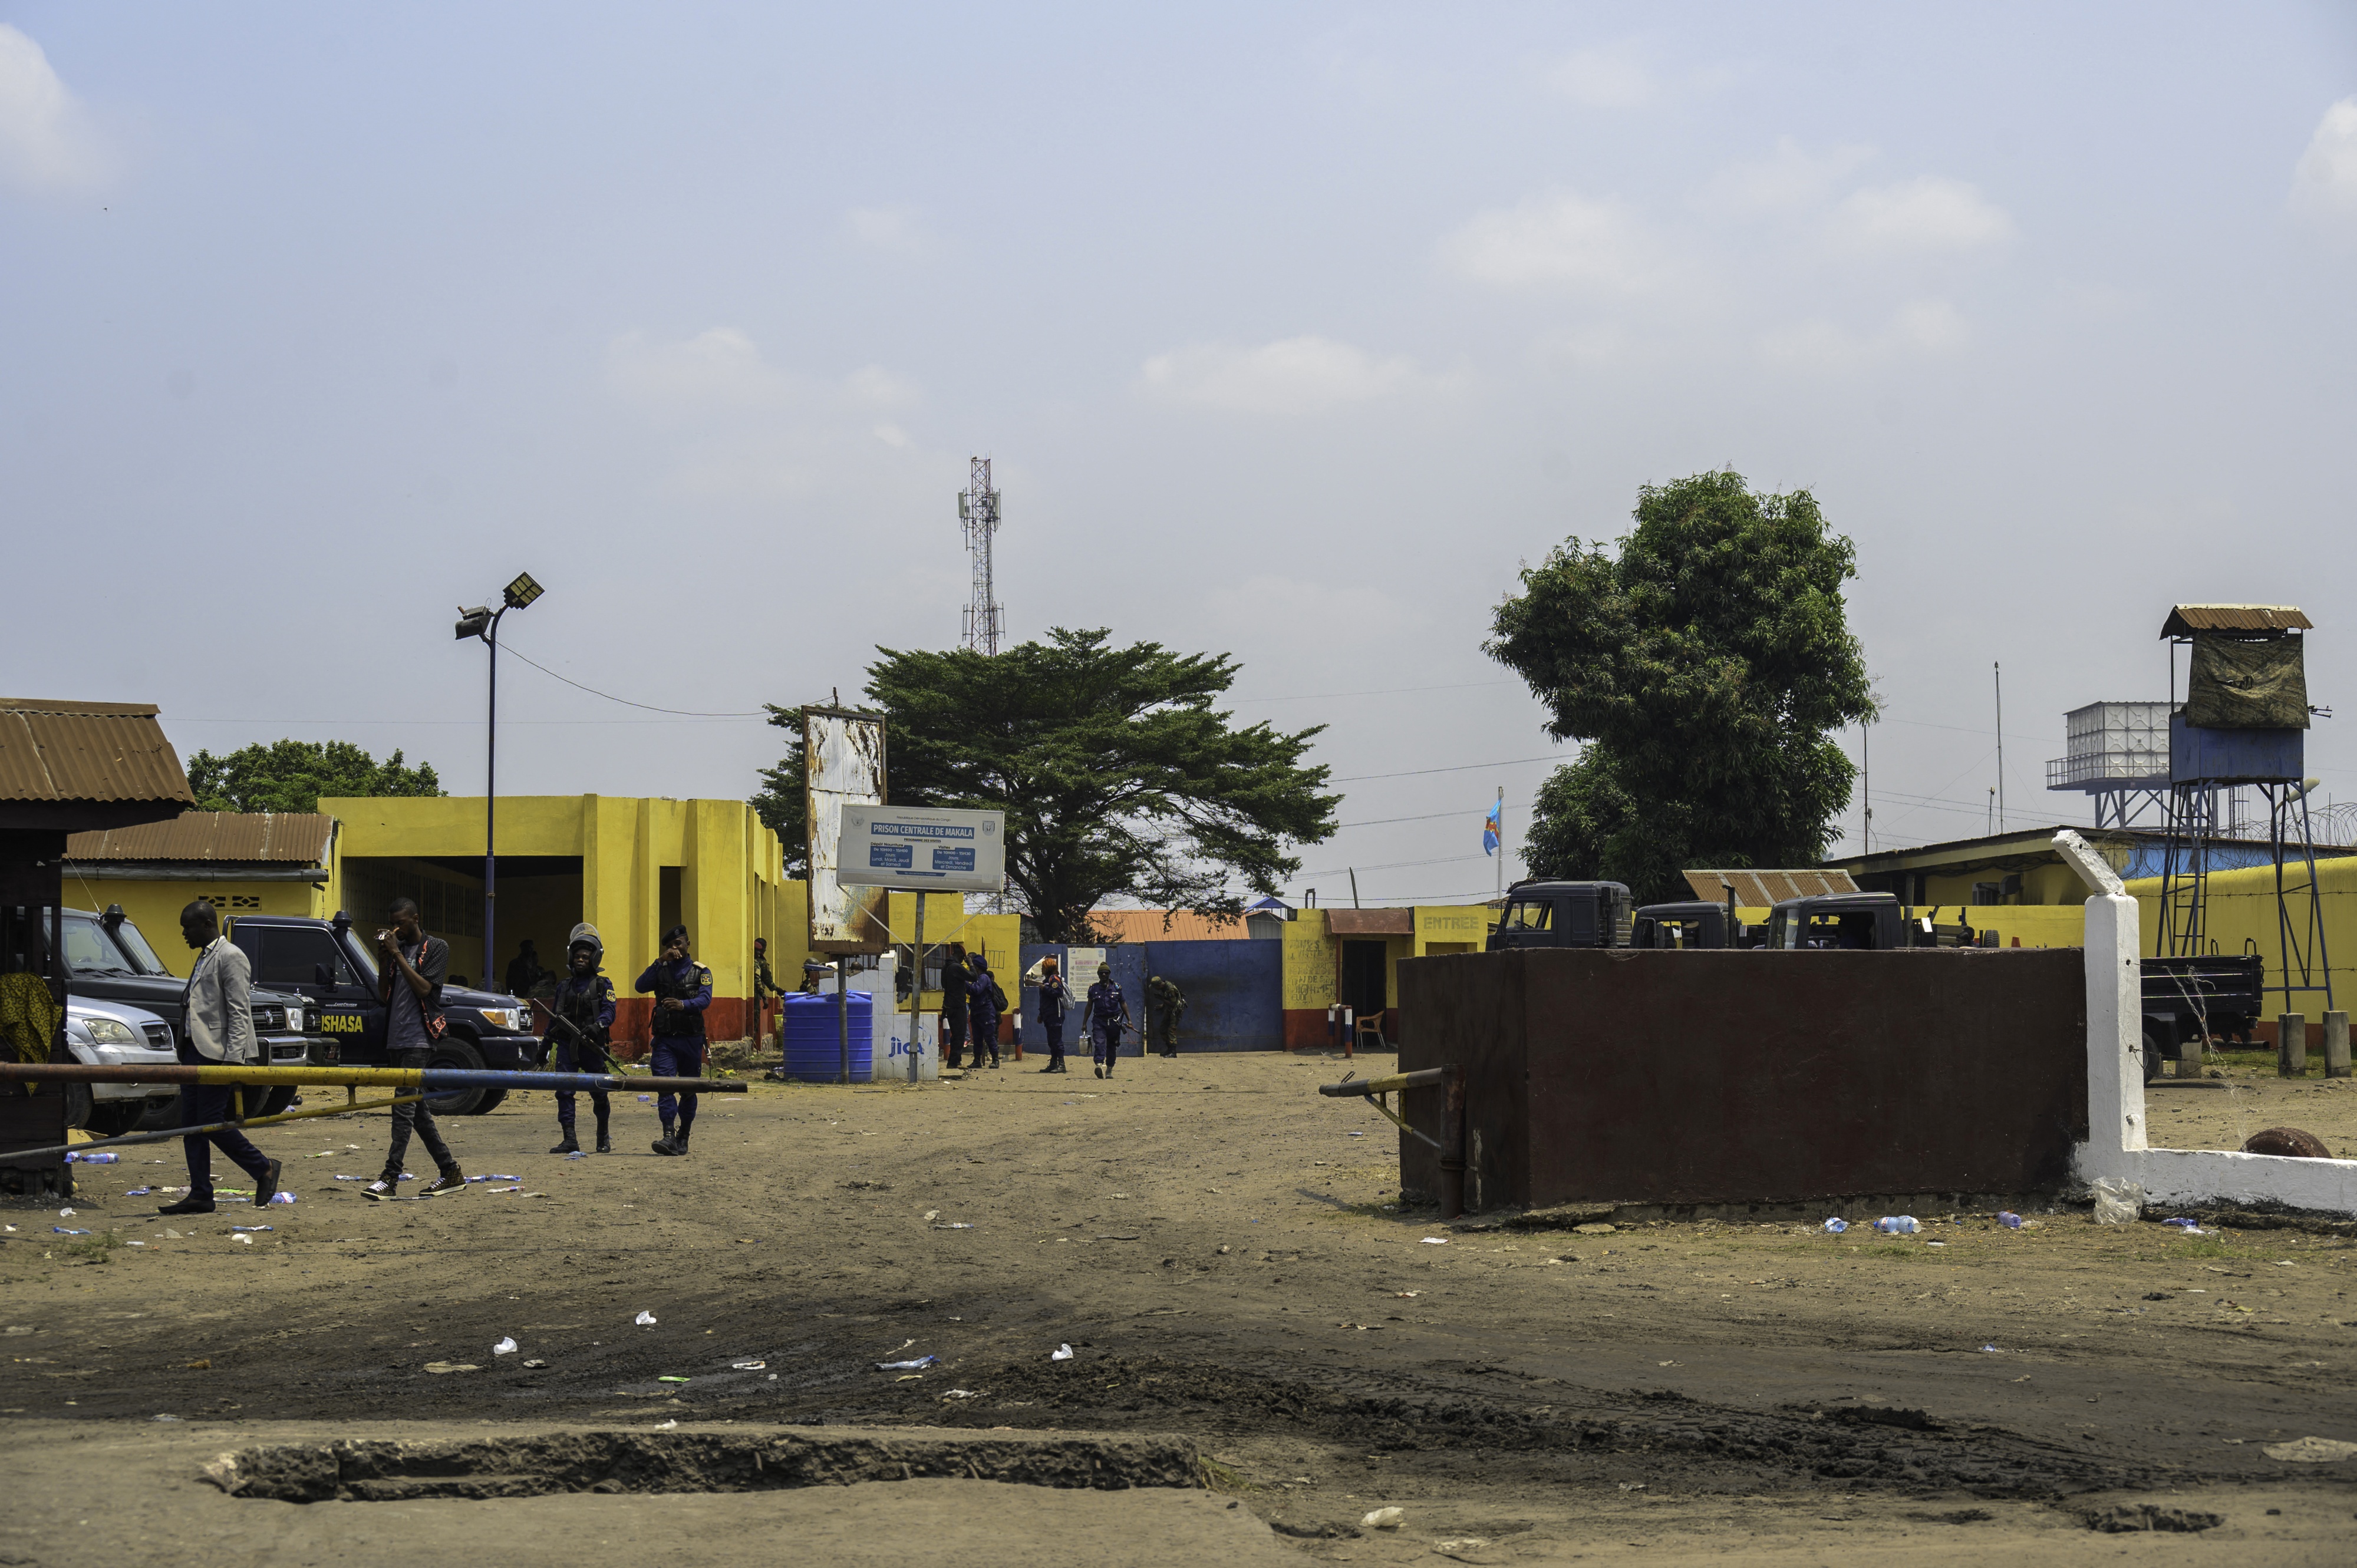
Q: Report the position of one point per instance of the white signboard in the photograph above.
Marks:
(844, 755)
(917, 846)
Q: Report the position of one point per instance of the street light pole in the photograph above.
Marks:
(484, 623)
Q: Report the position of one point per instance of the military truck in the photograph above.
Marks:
(333, 967)
(1540, 913)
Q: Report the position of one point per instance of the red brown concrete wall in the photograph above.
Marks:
(1751, 1076)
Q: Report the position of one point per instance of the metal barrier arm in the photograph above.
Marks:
(432, 1078)
(1450, 1144)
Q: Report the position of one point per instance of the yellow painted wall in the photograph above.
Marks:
(154, 905)
(2241, 908)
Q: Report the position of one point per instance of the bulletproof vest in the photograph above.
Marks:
(670, 981)
(579, 1006)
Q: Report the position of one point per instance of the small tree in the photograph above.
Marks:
(1706, 665)
(1118, 777)
(291, 776)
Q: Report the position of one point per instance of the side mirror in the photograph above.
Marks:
(320, 975)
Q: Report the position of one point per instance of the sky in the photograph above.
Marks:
(1293, 333)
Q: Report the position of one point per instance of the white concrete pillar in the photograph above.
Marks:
(2116, 1120)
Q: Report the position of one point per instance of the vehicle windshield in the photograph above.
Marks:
(361, 960)
(135, 946)
(1527, 917)
(87, 950)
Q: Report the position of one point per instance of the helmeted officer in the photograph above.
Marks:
(1106, 1014)
(1165, 1002)
(1055, 1001)
(583, 1008)
(683, 990)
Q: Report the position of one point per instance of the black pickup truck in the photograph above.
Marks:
(333, 965)
(107, 959)
(2189, 1001)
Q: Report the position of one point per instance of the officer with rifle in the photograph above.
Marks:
(581, 1023)
(683, 990)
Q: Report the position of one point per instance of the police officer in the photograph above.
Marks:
(1055, 1000)
(683, 990)
(986, 1000)
(1164, 1001)
(956, 1004)
(583, 1007)
(1106, 1015)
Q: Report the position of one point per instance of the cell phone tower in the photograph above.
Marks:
(978, 507)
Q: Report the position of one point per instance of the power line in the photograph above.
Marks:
(1466, 767)
(683, 712)
(1387, 691)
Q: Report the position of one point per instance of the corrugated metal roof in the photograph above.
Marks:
(1146, 926)
(1760, 889)
(287, 838)
(59, 750)
(2184, 621)
(1371, 922)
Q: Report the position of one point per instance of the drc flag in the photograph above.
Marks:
(1490, 828)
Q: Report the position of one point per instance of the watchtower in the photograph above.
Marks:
(2244, 721)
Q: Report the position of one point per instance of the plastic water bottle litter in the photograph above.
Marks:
(505, 1347)
(1898, 1224)
(1836, 1227)
(2010, 1220)
(644, 1319)
(1061, 1353)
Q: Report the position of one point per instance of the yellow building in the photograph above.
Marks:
(260, 863)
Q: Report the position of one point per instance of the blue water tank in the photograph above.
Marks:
(814, 1033)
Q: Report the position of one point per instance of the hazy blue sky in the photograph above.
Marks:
(1293, 331)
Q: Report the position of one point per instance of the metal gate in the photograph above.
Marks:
(1234, 990)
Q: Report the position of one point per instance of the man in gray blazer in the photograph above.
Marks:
(217, 1026)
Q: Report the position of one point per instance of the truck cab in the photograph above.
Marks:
(1687, 924)
(1868, 922)
(106, 958)
(1563, 915)
(332, 965)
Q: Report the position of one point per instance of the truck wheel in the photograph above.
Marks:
(452, 1051)
(491, 1097)
(112, 1118)
(2155, 1058)
(279, 1098)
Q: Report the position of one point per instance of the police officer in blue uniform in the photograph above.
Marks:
(1055, 1001)
(683, 990)
(1106, 1015)
(987, 1000)
(583, 1008)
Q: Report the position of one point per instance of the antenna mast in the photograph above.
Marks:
(979, 506)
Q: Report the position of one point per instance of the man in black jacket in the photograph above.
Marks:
(410, 989)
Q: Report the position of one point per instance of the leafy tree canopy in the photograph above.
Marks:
(291, 776)
(1706, 665)
(1118, 777)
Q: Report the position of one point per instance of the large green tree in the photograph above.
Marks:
(1119, 777)
(291, 776)
(1706, 662)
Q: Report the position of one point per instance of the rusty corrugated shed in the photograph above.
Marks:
(278, 838)
(2184, 621)
(70, 751)
(1371, 922)
(1146, 926)
(1761, 889)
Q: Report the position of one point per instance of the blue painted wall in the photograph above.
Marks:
(1128, 961)
(1236, 993)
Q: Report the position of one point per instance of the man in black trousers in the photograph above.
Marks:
(217, 1027)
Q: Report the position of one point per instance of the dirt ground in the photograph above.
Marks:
(1222, 1251)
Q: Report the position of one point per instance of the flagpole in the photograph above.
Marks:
(1500, 813)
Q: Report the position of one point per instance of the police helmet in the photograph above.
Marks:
(585, 935)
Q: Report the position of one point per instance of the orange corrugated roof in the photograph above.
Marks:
(53, 749)
(1763, 889)
(1185, 925)
(292, 838)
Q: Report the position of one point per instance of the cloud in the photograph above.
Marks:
(1603, 79)
(1923, 327)
(1291, 376)
(722, 369)
(1566, 240)
(895, 230)
(1927, 214)
(46, 142)
(1292, 610)
(2324, 186)
(1790, 179)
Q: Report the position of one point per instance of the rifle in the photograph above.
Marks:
(593, 1050)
